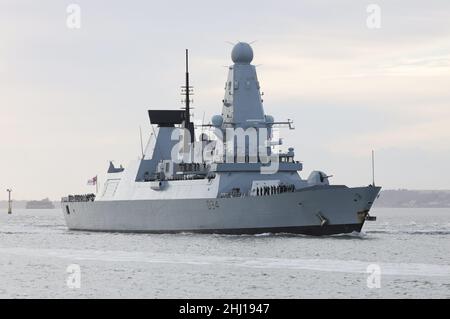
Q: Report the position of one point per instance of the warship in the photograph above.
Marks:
(228, 176)
(40, 204)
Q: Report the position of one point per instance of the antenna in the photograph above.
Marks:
(373, 168)
(142, 146)
(187, 91)
(203, 121)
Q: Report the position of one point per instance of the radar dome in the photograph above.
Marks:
(242, 53)
(217, 120)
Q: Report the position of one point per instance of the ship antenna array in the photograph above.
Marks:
(187, 91)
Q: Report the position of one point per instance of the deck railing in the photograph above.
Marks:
(79, 198)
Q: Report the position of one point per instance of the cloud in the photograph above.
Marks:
(417, 67)
(69, 101)
(428, 136)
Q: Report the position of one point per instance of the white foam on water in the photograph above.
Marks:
(410, 232)
(353, 234)
(263, 234)
(325, 265)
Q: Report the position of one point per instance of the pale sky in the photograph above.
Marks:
(72, 99)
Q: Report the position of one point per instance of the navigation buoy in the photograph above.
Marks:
(9, 190)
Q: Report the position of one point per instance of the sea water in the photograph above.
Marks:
(404, 254)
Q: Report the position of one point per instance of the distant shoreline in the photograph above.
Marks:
(403, 198)
(21, 204)
(398, 198)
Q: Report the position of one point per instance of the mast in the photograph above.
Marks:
(187, 117)
(187, 91)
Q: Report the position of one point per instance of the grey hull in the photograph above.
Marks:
(303, 212)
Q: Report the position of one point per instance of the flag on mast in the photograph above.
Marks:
(92, 181)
